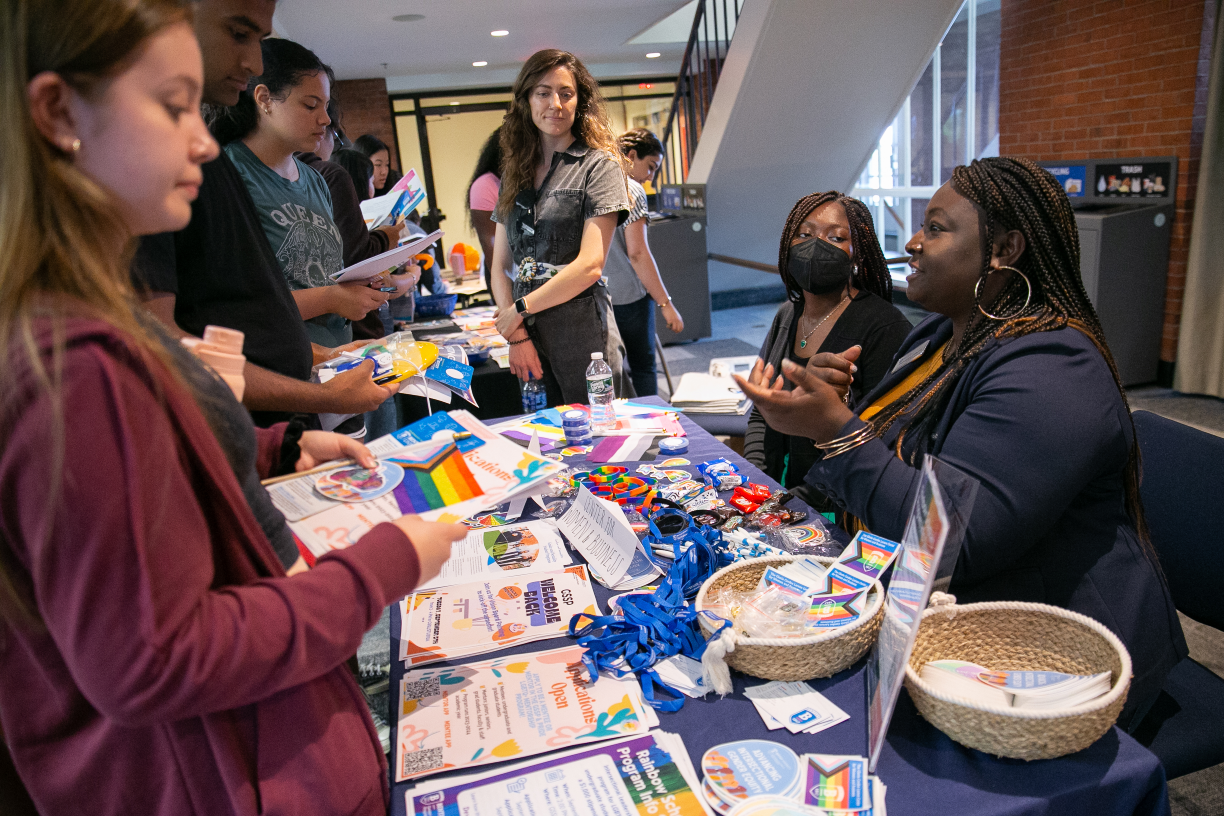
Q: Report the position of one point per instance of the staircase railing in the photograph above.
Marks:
(709, 40)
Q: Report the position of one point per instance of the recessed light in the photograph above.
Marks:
(501, 32)
(479, 64)
(653, 54)
(454, 103)
(408, 18)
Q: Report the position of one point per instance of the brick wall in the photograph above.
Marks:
(365, 108)
(1087, 78)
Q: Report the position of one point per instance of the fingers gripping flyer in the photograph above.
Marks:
(507, 708)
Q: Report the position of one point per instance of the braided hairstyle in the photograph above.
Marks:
(1015, 194)
(870, 272)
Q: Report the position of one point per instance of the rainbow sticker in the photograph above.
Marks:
(836, 782)
(868, 554)
(434, 481)
(358, 484)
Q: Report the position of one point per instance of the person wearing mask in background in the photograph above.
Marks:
(360, 243)
(482, 198)
(839, 302)
(157, 658)
(376, 150)
(283, 112)
(220, 270)
(562, 196)
(631, 272)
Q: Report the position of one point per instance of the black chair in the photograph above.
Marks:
(1183, 499)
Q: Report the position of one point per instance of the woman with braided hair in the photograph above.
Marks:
(839, 303)
(1012, 382)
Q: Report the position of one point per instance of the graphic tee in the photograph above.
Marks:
(296, 216)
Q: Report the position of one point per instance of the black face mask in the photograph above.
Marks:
(819, 267)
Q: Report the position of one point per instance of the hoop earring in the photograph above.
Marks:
(977, 295)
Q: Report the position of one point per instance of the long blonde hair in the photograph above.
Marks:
(62, 242)
(520, 138)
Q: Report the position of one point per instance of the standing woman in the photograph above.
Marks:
(562, 196)
(632, 274)
(154, 656)
(482, 198)
(839, 302)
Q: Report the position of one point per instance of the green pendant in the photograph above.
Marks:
(802, 344)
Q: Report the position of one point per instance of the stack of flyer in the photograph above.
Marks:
(1031, 690)
(510, 707)
(763, 778)
(644, 775)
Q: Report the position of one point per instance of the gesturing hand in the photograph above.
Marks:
(813, 409)
(321, 446)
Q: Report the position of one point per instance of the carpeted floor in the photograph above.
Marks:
(742, 331)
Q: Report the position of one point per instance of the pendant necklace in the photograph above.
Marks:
(803, 342)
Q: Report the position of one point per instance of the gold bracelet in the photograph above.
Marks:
(836, 447)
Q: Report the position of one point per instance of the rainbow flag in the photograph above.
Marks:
(836, 782)
(436, 481)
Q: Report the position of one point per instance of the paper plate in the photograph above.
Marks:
(358, 484)
(746, 768)
(773, 806)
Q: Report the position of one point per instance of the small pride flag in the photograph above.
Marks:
(438, 479)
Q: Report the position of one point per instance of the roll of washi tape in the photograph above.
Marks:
(575, 418)
(673, 445)
(575, 438)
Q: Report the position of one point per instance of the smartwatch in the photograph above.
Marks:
(521, 306)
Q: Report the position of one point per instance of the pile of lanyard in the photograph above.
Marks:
(653, 626)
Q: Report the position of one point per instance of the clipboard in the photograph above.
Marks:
(391, 259)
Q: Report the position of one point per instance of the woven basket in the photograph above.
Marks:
(1010, 636)
(820, 655)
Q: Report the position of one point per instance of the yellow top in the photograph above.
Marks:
(905, 386)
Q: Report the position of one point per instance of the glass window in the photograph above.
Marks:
(921, 128)
(986, 110)
(953, 94)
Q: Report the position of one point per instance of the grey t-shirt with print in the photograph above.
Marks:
(624, 285)
(296, 217)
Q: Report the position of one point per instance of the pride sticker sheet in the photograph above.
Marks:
(836, 782)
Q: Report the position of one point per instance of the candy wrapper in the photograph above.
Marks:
(720, 474)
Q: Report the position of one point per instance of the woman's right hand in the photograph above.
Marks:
(432, 542)
(355, 300)
(524, 360)
(836, 369)
(671, 316)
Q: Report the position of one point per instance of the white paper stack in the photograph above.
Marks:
(702, 394)
(1032, 690)
(795, 706)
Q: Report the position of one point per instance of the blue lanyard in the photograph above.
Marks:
(657, 625)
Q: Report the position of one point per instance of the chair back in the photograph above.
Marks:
(1183, 499)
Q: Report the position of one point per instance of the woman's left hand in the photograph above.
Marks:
(321, 446)
(507, 321)
(404, 283)
(813, 409)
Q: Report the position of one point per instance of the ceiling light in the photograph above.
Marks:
(479, 64)
(653, 54)
(501, 32)
(408, 18)
(454, 103)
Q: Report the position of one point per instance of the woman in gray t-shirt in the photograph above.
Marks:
(563, 193)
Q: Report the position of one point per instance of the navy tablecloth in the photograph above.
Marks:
(925, 771)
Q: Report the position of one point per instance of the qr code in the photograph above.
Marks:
(420, 689)
(418, 762)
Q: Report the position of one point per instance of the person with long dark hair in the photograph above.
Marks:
(1012, 382)
(563, 193)
(376, 150)
(839, 301)
(482, 195)
(157, 659)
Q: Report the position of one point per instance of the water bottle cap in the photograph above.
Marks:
(596, 355)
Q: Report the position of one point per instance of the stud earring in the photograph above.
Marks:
(76, 145)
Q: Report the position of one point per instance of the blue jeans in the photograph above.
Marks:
(637, 327)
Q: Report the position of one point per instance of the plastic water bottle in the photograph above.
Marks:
(599, 393)
(534, 396)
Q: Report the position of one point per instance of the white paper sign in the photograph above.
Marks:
(607, 545)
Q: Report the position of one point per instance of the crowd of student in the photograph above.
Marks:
(162, 647)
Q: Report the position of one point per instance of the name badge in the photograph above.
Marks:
(910, 356)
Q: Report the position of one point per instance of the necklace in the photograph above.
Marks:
(803, 342)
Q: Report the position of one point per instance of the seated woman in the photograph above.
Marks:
(839, 298)
(1012, 382)
(156, 658)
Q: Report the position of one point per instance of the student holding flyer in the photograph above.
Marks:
(157, 658)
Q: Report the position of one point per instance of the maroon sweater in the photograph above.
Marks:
(176, 669)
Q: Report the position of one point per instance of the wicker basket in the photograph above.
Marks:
(1010, 636)
(820, 655)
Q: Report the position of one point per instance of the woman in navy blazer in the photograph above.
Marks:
(1012, 382)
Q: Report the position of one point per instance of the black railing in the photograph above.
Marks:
(709, 40)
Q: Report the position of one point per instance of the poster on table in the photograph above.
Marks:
(647, 775)
(508, 708)
(509, 550)
(916, 568)
(484, 616)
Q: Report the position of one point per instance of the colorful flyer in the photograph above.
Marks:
(831, 611)
(358, 484)
(509, 707)
(640, 776)
(836, 782)
(738, 770)
(868, 554)
(483, 616)
(495, 552)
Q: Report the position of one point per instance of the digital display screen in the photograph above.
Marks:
(1147, 180)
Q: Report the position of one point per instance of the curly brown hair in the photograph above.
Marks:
(520, 139)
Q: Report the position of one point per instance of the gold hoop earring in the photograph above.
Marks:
(977, 295)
